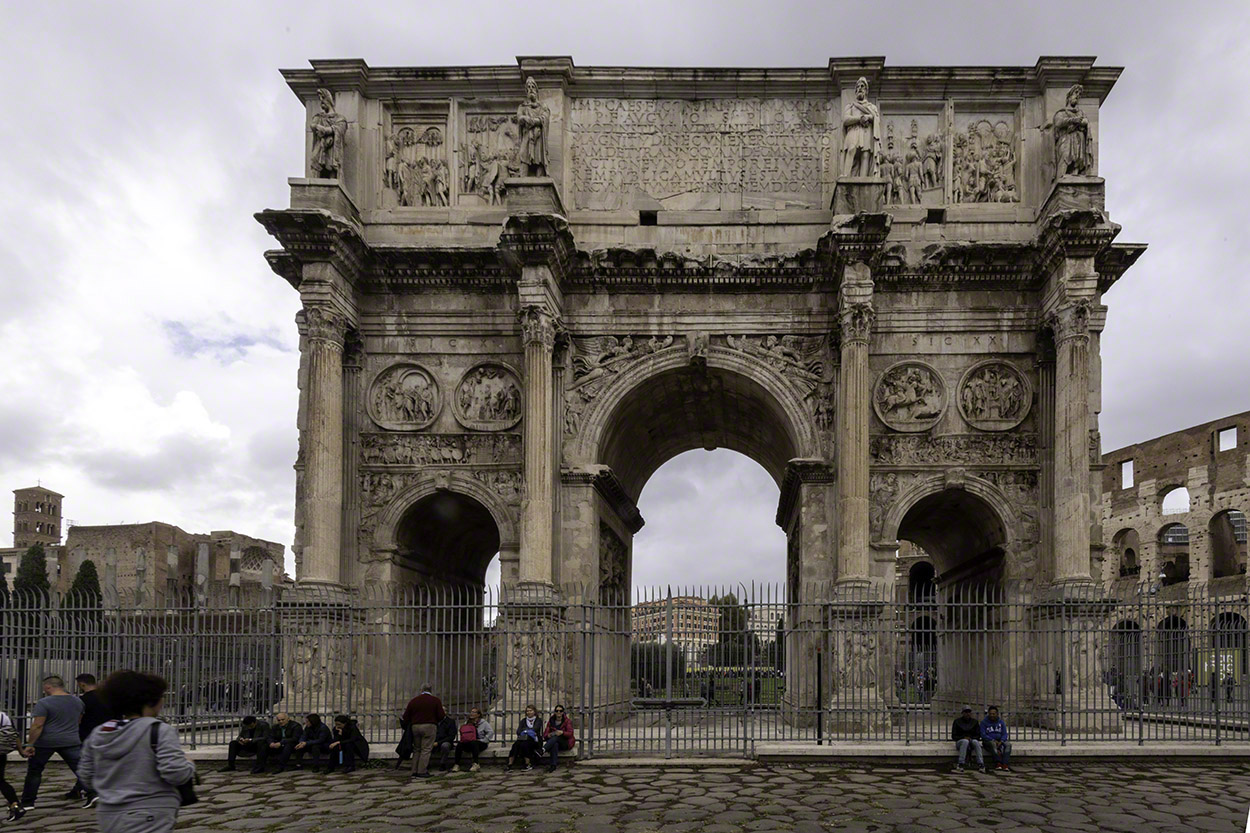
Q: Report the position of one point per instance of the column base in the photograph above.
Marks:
(858, 710)
(858, 195)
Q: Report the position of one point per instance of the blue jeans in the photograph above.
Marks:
(36, 763)
(1000, 750)
(552, 747)
(963, 744)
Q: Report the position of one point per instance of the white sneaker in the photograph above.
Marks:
(455, 768)
(474, 768)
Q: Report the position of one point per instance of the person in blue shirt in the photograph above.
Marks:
(995, 739)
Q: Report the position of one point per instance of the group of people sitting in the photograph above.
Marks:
(429, 729)
(988, 734)
(288, 742)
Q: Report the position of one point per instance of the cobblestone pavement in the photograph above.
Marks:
(1086, 796)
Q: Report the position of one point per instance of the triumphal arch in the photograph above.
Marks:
(526, 287)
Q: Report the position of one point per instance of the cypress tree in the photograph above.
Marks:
(31, 582)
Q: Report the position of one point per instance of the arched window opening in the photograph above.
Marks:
(1227, 534)
(1176, 501)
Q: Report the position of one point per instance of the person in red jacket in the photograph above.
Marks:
(423, 714)
(557, 736)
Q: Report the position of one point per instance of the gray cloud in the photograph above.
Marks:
(144, 136)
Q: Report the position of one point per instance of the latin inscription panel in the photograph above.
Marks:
(704, 154)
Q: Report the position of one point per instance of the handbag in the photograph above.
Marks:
(186, 792)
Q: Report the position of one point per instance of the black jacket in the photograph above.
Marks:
(316, 734)
(94, 713)
(965, 727)
(446, 732)
(351, 736)
(259, 731)
(290, 732)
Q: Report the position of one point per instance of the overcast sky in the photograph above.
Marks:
(150, 355)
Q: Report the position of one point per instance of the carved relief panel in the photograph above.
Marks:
(913, 159)
(985, 158)
(994, 396)
(488, 398)
(910, 396)
(487, 156)
(596, 360)
(417, 172)
(404, 397)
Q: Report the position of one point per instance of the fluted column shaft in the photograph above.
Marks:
(323, 447)
(538, 332)
(1071, 444)
(856, 319)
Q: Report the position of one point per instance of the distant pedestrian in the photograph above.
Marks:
(423, 714)
(94, 714)
(135, 761)
(9, 741)
(1229, 685)
(53, 731)
(557, 736)
(966, 733)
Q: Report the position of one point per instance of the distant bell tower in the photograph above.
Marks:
(36, 517)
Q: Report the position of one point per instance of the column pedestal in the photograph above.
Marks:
(862, 652)
(1067, 693)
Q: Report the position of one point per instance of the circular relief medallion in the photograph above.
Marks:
(910, 396)
(404, 397)
(994, 396)
(488, 398)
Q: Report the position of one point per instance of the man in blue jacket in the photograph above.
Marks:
(994, 737)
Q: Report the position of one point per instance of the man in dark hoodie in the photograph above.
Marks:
(966, 732)
(445, 735)
(137, 779)
(314, 741)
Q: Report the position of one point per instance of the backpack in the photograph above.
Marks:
(468, 732)
(8, 735)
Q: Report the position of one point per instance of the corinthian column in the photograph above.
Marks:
(856, 319)
(538, 335)
(1070, 442)
(323, 446)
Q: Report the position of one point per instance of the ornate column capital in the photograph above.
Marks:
(856, 321)
(1070, 321)
(325, 325)
(538, 326)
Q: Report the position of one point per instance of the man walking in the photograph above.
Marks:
(423, 714)
(94, 714)
(53, 730)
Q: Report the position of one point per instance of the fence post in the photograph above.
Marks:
(668, 672)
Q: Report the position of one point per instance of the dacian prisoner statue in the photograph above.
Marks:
(328, 130)
(860, 146)
(532, 119)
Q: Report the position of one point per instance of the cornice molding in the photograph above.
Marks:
(605, 482)
(1113, 261)
(316, 236)
(798, 472)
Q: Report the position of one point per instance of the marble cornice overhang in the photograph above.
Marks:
(1077, 233)
(310, 235)
(1003, 83)
(399, 268)
(537, 240)
(966, 264)
(647, 268)
(608, 486)
(1113, 260)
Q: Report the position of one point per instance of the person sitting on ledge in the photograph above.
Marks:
(526, 744)
(445, 741)
(966, 733)
(283, 735)
(314, 740)
(347, 745)
(253, 739)
(994, 738)
(557, 736)
(474, 735)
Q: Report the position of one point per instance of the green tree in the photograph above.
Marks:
(85, 591)
(649, 664)
(31, 582)
(735, 644)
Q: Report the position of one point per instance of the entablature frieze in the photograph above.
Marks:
(1018, 449)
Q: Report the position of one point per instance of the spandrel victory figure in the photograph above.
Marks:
(328, 130)
(532, 119)
(860, 146)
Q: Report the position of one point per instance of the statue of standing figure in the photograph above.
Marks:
(328, 130)
(1074, 152)
(532, 119)
(860, 146)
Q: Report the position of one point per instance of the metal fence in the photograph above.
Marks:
(677, 671)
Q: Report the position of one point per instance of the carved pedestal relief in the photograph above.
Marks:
(416, 166)
(404, 397)
(910, 396)
(612, 557)
(488, 398)
(994, 396)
